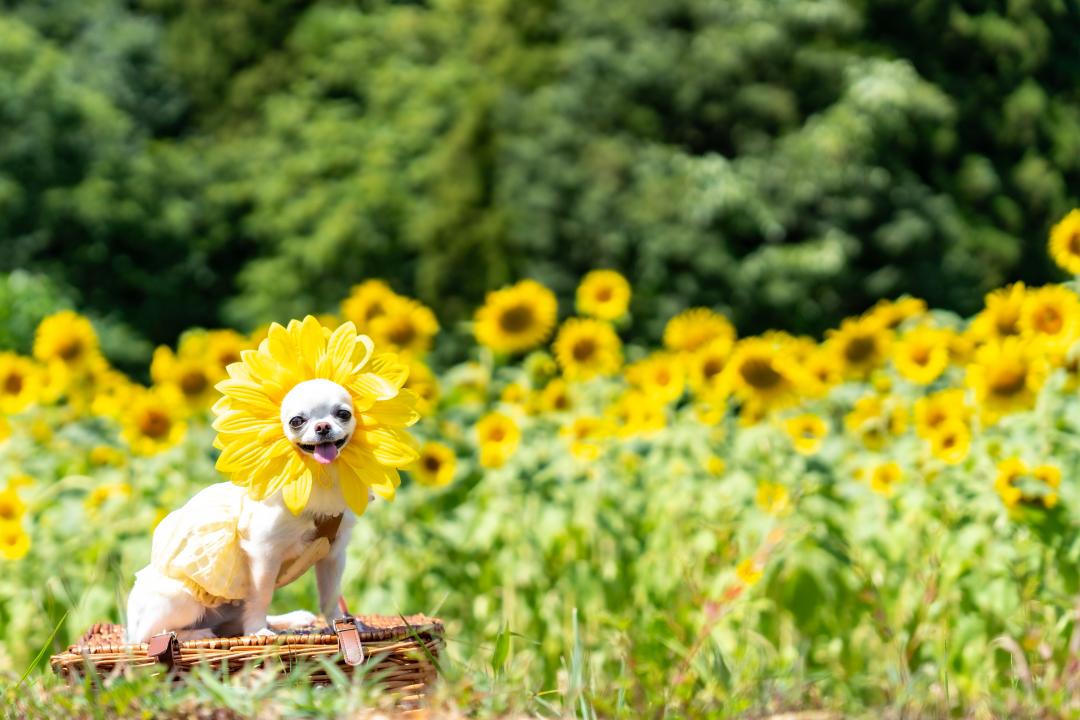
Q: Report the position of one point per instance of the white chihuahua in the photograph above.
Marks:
(216, 561)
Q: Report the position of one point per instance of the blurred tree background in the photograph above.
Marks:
(168, 163)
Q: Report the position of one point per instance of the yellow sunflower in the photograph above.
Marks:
(405, 325)
(891, 313)
(422, 383)
(586, 436)
(1006, 376)
(255, 452)
(884, 477)
(153, 419)
(587, 348)
(922, 354)
(14, 542)
(807, 431)
(951, 441)
(12, 508)
(660, 375)
(499, 437)
(20, 383)
(636, 414)
(516, 318)
(705, 366)
(1001, 316)
(773, 498)
(1051, 317)
(68, 338)
(112, 391)
(366, 302)
(1065, 242)
(190, 374)
(875, 419)
(555, 397)
(223, 348)
(435, 465)
(821, 370)
(861, 345)
(934, 411)
(1017, 484)
(692, 329)
(761, 375)
(603, 294)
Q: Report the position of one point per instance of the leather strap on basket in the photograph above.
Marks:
(165, 648)
(348, 636)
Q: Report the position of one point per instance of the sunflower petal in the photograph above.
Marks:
(312, 342)
(296, 493)
(398, 411)
(390, 446)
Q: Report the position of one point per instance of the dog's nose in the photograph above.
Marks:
(322, 428)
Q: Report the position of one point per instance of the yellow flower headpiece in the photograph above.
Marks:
(256, 453)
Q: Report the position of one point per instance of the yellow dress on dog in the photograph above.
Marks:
(199, 545)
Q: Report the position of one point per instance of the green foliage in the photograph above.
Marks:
(788, 162)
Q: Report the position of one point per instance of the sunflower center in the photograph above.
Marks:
(584, 349)
(1006, 321)
(154, 424)
(8, 511)
(603, 294)
(935, 417)
(228, 358)
(402, 334)
(70, 348)
(759, 373)
(1074, 243)
(13, 383)
(561, 402)
(920, 354)
(373, 311)
(1008, 380)
(1048, 320)
(193, 382)
(859, 349)
(11, 538)
(663, 377)
(949, 442)
(712, 367)
(496, 434)
(432, 463)
(516, 319)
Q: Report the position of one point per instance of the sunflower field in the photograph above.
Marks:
(885, 518)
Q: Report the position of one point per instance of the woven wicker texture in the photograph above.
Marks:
(400, 652)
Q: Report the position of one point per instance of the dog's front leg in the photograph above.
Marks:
(328, 572)
(263, 574)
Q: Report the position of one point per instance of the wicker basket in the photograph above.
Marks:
(400, 653)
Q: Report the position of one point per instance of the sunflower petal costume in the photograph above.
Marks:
(202, 549)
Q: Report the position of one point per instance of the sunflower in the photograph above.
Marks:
(603, 294)
(861, 345)
(884, 477)
(821, 370)
(875, 419)
(761, 375)
(1001, 316)
(513, 394)
(153, 419)
(586, 436)
(366, 302)
(891, 313)
(772, 498)
(555, 397)
(636, 414)
(661, 375)
(1065, 242)
(936, 410)
(692, 329)
(516, 318)
(102, 494)
(951, 441)
(922, 354)
(435, 465)
(807, 432)
(68, 338)
(14, 542)
(189, 374)
(12, 508)
(223, 348)
(1051, 317)
(587, 348)
(20, 383)
(423, 384)
(1006, 376)
(1017, 484)
(705, 365)
(256, 453)
(112, 391)
(405, 325)
(499, 437)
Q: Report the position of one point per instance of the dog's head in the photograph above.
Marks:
(317, 417)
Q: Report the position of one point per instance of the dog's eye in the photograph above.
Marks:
(343, 414)
(296, 421)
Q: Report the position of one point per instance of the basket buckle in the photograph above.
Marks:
(348, 635)
(165, 648)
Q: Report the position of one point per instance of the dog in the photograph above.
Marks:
(215, 561)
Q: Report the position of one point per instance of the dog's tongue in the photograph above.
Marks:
(325, 452)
